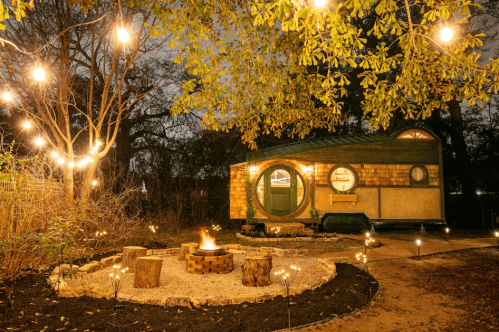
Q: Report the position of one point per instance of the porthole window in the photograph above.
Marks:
(418, 175)
(280, 190)
(343, 178)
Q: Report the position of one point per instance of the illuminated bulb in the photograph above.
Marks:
(89, 159)
(61, 161)
(122, 271)
(123, 35)
(117, 277)
(111, 275)
(54, 154)
(27, 125)
(94, 183)
(447, 230)
(497, 234)
(446, 34)
(418, 242)
(79, 164)
(7, 96)
(71, 164)
(320, 3)
(126, 268)
(368, 234)
(105, 234)
(98, 143)
(39, 74)
(39, 141)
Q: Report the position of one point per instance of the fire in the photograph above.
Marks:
(208, 242)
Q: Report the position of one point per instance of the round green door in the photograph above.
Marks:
(280, 190)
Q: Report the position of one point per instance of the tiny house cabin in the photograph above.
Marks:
(391, 178)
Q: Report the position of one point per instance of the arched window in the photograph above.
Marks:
(414, 134)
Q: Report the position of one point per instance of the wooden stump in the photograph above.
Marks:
(187, 249)
(147, 272)
(256, 271)
(130, 254)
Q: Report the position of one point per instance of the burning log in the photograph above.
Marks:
(147, 272)
(130, 255)
(187, 249)
(256, 271)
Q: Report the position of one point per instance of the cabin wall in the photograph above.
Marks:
(237, 192)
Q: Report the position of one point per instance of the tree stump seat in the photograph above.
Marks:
(187, 249)
(256, 271)
(130, 255)
(147, 272)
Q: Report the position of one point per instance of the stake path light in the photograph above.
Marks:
(446, 34)
(497, 238)
(418, 243)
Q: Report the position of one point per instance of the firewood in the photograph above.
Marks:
(147, 272)
(130, 254)
(256, 271)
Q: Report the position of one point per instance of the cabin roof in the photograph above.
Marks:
(327, 142)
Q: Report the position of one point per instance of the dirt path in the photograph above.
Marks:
(400, 306)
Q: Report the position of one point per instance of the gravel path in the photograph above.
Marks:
(175, 281)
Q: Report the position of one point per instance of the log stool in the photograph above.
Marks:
(130, 254)
(256, 271)
(187, 249)
(147, 272)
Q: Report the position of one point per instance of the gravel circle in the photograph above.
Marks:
(175, 281)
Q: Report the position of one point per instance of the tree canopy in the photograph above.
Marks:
(263, 66)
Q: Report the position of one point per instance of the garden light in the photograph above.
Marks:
(123, 35)
(368, 234)
(418, 243)
(39, 141)
(446, 34)
(497, 238)
(39, 74)
(447, 230)
(7, 96)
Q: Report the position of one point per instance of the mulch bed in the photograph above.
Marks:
(474, 285)
(37, 308)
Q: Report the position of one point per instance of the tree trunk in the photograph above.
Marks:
(187, 249)
(69, 186)
(87, 184)
(147, 272)
(464, 160)
(256, 271)
(130, 255)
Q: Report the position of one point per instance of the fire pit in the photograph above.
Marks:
(209, 258)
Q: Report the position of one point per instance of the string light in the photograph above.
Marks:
(39, 74)
(71, 164)
(27, 125)
(7, 96)
(122, 35)
(320, 3)
(94, 183)
(39, 141)
(54, 154)
(446, 34)
(61, 161)
(153, 228)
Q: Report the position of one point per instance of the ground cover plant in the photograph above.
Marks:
(37, 308)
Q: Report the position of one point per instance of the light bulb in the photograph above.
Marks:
(39, 141)
(320, 3)
(71, 164)
(98, 143)
(39, 74)
(418, 242)
(446, 34)
(123, 35)
(89, 159)
(27, 125)
(94, 183)
(61, 161)
(54, 154)
(7, 96)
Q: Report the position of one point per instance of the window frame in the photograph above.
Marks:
(350, 168)
(425, 181)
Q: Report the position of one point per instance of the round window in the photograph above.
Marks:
(419, 175)
(343, 178)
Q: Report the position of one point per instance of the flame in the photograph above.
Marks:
(208, 242)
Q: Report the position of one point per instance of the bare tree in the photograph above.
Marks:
(92, 84)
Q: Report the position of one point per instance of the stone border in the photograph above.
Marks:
(288, 239)
(80, 272)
